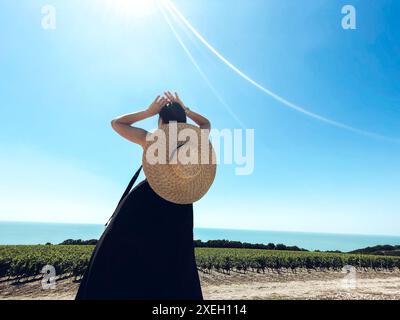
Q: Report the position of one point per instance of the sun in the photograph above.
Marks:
(136, 8)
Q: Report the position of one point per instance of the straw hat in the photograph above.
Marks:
(179, 162)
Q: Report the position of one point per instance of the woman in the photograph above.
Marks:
(147, 249)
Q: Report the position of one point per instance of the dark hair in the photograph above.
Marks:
(173, 112)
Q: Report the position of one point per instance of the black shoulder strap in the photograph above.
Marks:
(127, 190)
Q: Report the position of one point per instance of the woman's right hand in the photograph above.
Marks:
(156, 106)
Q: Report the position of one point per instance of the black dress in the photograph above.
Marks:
(146, 252)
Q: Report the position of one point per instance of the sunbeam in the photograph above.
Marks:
(201, 72)
(173, 9)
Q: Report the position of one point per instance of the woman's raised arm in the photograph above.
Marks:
(123, 124)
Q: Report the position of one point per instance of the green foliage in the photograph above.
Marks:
(72, 260)
(28, 261)
(385, 250)
(243, 245)
(80, 242)
(257, 260)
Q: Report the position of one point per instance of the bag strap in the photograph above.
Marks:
(127, 190)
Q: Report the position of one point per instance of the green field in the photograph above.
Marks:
(28, 261)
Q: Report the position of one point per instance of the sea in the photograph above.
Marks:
(30, 233)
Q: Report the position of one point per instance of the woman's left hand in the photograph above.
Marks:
(156, 106)
(175, 98)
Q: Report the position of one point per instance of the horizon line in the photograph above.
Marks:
(219, 228)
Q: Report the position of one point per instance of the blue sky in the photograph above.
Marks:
(61, 162)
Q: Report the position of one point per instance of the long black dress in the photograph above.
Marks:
(145, 253)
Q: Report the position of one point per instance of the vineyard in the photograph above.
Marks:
(71, 260)
(253, 260)
(28, 261)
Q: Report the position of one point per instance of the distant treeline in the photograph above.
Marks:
(210, 244)
(79, 242)
(244, 245)
(385, 250)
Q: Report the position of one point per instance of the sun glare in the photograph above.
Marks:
(136, 8)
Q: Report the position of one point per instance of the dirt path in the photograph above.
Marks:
(303, 285)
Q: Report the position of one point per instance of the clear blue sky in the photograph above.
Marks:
(61, 162)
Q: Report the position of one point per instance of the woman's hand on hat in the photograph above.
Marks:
(156, 106)
(201, 121)
(175, 98)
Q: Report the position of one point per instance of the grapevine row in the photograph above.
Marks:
(71, 260)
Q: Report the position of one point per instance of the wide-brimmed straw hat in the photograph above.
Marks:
(179, 162)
